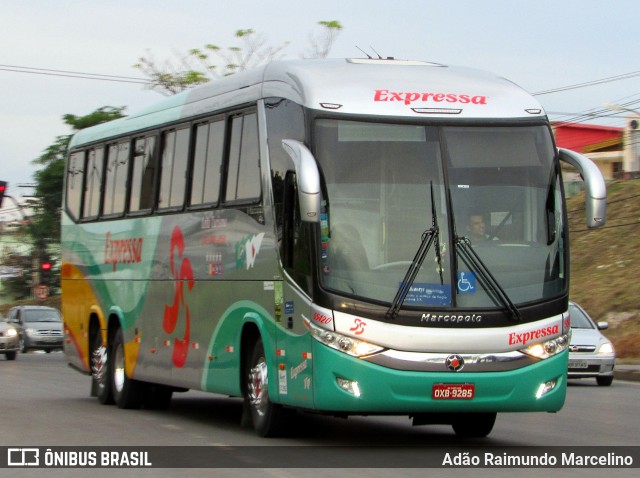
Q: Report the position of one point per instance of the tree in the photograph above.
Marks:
(322, 43)
(201, 65)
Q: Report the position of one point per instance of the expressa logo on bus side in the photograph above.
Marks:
(181, 271)
(124, 251)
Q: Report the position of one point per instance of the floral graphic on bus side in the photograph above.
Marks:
(247, 250)
(172, 312)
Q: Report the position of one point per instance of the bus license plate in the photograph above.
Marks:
(453, 391)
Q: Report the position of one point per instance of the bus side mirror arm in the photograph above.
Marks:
(595, 187)
(307, 177)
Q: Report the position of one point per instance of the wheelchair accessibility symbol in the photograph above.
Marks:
(466, 283)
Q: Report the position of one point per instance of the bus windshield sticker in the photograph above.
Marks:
(429, 294)
(466, 282)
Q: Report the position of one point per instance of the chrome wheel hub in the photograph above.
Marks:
(99, 363)
(257, 389)
(118, 368)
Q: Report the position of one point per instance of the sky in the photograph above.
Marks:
(539, 44)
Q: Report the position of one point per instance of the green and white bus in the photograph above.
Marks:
(349, 237)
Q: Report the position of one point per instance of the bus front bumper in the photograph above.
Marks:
(343, 383)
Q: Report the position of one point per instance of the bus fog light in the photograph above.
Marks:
(546, 387)
(350, 386)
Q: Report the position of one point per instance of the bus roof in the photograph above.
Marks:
(384, 87)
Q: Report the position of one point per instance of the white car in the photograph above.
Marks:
(9, 340)
(591, 354)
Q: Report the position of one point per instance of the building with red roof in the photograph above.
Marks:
(604, 145)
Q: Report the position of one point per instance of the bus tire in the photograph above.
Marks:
(266, 416)
(474, 425)
(100, 381)
(127, 392)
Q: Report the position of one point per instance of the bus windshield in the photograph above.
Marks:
(494, 193)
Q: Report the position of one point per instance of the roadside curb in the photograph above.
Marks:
(627, 372)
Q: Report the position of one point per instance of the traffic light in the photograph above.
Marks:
(45, 272)
(3, 189)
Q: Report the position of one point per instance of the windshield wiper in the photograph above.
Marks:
(428, 237)
(488, 281)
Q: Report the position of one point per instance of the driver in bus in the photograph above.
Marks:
(476, 227)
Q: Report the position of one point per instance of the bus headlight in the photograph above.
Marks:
(348, 345)
(548, 348)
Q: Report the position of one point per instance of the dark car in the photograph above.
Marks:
(591, 354)
(39, 327)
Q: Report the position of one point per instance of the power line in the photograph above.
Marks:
(610, 79)
(72, 74)
(629, 102)
(129, 79)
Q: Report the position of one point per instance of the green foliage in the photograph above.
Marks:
(200, 65)
(321, 43)
(101, 115)
(331, 25)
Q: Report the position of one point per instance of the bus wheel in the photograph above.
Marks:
(474, 425)
(267, 416)
(127, 392)
(100, 382)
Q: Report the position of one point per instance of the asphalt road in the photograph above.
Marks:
(45, 403)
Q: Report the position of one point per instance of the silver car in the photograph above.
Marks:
(39, 328)
(9, 340)
(591, 354)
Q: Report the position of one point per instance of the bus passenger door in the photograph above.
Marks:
(293, 340)
(293, 354)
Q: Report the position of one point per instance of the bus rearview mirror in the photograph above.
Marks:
(595, 187)
(308, 179)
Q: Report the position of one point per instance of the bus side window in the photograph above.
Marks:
(243, 174)
(175, 151)
(75, 177)
(116, 178)
(93, 183)
(142, 174)
(207, 159)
